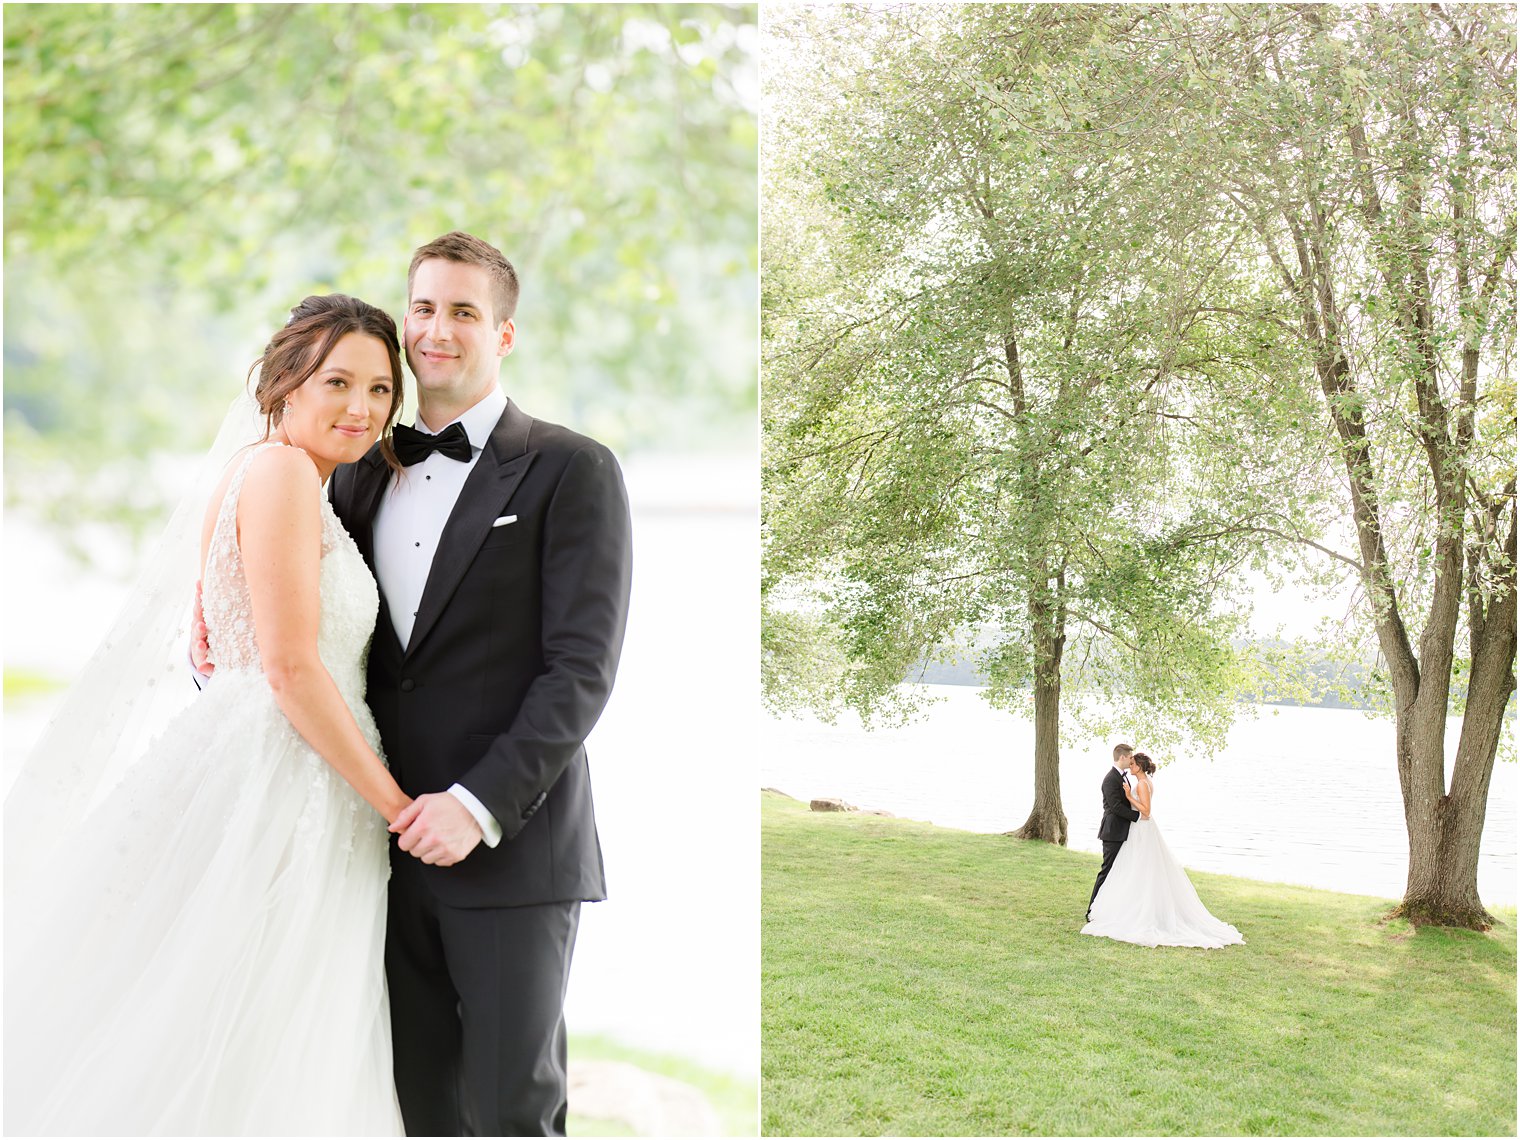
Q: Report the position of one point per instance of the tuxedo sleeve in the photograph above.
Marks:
(1115, 802)
(586, 572)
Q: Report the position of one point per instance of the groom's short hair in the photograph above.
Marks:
(1123, 750)
(470, 250)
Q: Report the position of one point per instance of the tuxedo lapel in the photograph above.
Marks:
(370, 476)
(385, 630)
(501, 467)
(356, 492)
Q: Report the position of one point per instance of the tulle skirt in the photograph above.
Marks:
(206, 956)
(1148, 898)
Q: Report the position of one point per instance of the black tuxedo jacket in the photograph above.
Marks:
(512, 655)
(1117, 812)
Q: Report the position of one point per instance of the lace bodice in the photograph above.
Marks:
(349, 598)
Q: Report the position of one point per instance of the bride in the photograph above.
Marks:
(1147, 897)
(194, 939)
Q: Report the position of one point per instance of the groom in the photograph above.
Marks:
(1113, 829)
(503, 556)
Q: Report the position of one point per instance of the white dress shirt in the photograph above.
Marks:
(407, 528)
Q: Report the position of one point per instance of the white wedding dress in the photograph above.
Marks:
(207, 956)
(1148, 898)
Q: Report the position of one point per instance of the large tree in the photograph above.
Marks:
(997, 403)
(1370, 154)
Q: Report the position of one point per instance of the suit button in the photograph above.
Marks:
(408, 685)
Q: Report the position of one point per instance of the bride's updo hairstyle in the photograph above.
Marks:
(295, 352)
(1144, 763)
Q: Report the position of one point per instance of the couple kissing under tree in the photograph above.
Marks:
(1142, 894)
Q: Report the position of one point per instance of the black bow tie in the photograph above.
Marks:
(413, 446)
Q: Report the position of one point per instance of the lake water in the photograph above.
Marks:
(1299, 795)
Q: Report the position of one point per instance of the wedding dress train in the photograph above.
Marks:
(1148, 898)
(206, 958)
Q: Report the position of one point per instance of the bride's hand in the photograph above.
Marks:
(397, 810)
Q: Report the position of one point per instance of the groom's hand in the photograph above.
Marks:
(200, 648)
(437, 829)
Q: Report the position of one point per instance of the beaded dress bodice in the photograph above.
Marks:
(349, 597)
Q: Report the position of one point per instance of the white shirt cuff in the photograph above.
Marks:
(490, 830)
(201, 679)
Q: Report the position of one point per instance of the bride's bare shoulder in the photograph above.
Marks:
(279, 481)
(280, 475)
(279, 464)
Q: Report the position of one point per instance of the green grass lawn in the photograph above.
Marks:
(732, 1097)
(924, 981)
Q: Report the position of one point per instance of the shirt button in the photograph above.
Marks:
(416, 544)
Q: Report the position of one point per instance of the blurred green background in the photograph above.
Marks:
(178, 176)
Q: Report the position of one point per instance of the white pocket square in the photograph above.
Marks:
(503, 521)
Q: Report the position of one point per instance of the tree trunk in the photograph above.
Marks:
(1444, 829)
(1046, 819)
(1442, 888)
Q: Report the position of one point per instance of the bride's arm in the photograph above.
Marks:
(280, 534)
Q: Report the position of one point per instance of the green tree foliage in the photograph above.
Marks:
(1006, 406)
(177, 176)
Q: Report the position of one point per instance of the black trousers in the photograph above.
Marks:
(477, 1011)
(1110, 850)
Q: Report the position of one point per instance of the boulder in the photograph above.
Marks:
(831, 805)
